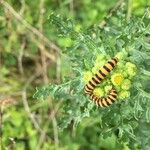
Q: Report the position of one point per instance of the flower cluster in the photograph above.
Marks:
(120, 78)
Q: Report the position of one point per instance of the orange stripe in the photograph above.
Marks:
(100, 102)
(93, 82)
(112, 97)
(91, 87)
(109, 101)
(104, 71)
(100, 75)
(113, 62)
(109, 66)
(104, 102)
(87, 89)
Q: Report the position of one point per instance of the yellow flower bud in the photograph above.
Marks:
(98, 92)
(87, 76)
(117, 79)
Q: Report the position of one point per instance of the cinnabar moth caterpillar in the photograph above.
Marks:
(97, 79)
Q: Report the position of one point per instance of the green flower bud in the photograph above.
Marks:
(131, 69)
(126, 84)
(120, 65)
(100, 58)
(124, 94)
(131, 72)
(108, 88)
(122, 55)
(98, 92)
(125, 74)
(118, 88)
(130, 65)
(94, 70)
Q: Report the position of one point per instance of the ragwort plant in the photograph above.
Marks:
(86, 52)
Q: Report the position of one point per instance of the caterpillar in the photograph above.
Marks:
(97, 79)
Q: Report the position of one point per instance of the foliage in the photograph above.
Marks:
(121, 119)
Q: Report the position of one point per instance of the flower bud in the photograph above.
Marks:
(131, 72)
(130, 65)
(117, 79)
(124, 94)
(94, 70)
(122, 55)
(100, 57)
(87, 76)
(98, 92)
(108, 88)
(126, 84)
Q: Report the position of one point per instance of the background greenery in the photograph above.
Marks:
(29, 59)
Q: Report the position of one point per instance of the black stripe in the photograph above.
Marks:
(111, 64)
(102, 73)
(99, 78)
(89, 87)
(113, 95)
(95, 97)
(115, 60)
(115, 91)
(90, 94)
(91, 84)
(103, 99)
(107, 102)
(111, 99)
(98, 101)
(94, 80)
(92, 97)
(87, 91)
(106, 68)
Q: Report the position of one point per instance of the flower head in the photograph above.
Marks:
(117, 79)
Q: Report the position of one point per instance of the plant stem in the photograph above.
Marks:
(129, 11)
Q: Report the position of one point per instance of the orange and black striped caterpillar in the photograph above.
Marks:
(97, 79)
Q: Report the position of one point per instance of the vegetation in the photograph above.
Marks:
(48, 52)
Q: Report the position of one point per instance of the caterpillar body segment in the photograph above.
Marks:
(100, 75)
(105, 101)
(97, 79)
